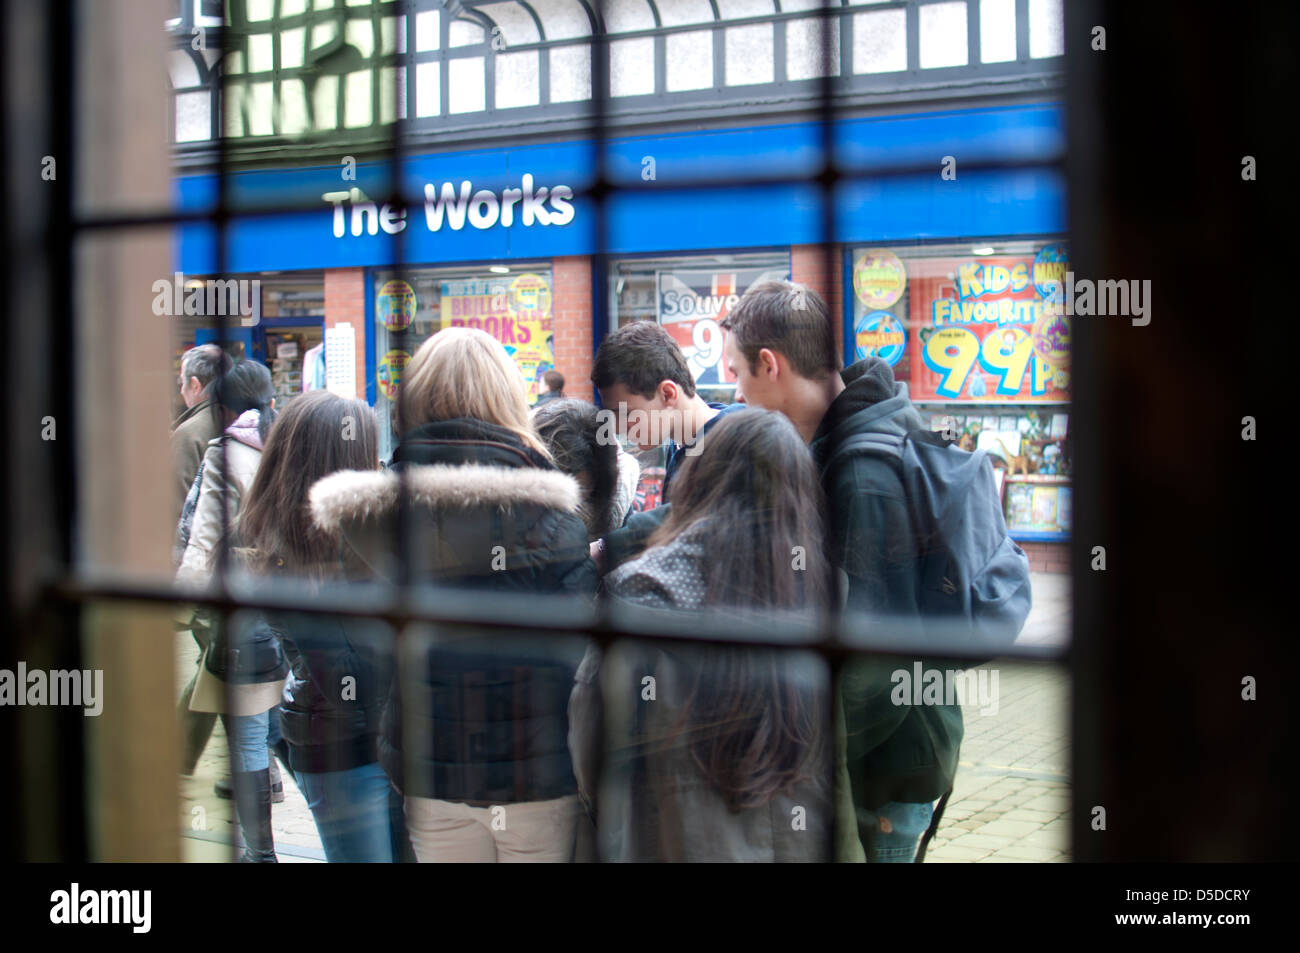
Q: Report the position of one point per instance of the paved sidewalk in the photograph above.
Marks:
(1010, 802)
(207, 821)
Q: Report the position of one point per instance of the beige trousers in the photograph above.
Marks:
(531, 832)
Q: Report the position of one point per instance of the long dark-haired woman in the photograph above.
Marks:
(720, 754)
(339, 673)
(483, 761)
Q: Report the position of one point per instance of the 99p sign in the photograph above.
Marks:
(1005, 355)
(986, 335)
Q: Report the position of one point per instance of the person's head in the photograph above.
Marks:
(247, 386)
(317, 434)
(570, 429)
(200, 366)
(465, 372)
(641, 367)
(778, 333)
(554, 381)
(754, 489)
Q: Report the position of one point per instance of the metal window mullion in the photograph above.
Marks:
(719, 57)
(779, 74)
(973, 34)
(1022, 32)
(661, 72)
(913, 28)
(277, 117)
(543, 77)
(377, 63)
(444, 68)
(846, 47)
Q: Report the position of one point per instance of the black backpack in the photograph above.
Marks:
(969, 567)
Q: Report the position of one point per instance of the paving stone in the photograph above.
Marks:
(953, 852)
(1035, 817)
(1009, 828)
(1049, 803)
(1028, 852)
(989, 841)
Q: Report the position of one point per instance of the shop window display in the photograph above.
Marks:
(977, 332)
(511, 303)
(688, 296)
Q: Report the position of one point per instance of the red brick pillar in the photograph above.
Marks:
(822, 270)
(345, 303)
(571, 306)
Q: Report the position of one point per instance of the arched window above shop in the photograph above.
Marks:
(305, 71)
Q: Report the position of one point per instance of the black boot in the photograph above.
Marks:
(253, 806)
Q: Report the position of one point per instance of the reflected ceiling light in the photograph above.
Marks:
(982, 250)
(499, 270)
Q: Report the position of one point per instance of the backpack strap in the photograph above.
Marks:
(882, 444)
(934, 826)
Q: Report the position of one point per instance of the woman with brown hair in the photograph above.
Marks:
(485, 768)
(338, 671)
(721, 753)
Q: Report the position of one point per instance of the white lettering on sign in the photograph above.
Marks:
(454, 205)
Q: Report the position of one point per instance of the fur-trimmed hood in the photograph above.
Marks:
(358, 495)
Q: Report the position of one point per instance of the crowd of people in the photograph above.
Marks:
(488, 747)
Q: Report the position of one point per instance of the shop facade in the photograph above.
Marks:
(947, 278)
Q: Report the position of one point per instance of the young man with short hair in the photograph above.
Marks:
(642, 376)
(781, 347)
(644, 381)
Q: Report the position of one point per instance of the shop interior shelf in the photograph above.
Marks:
(1037, 478)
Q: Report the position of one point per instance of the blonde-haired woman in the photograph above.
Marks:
(485, 771)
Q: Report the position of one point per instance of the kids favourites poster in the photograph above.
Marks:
(514, 309)
(992, 329)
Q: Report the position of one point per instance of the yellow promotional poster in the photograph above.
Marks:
(389, 375)
(516, 310)
(879, 278)
(396, 305)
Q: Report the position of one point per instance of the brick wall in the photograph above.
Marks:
(345, 303)
(823, 271)
(1047, 557)
(571, 306)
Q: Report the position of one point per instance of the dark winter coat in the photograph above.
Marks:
(339, 676)
(895, 752)
(486, 513)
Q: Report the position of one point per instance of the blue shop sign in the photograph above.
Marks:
(530, 202)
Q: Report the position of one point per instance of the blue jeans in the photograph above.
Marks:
(352, 811)
(909, 821)
(250, 737)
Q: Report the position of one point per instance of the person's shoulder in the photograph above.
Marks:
(667, 576)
